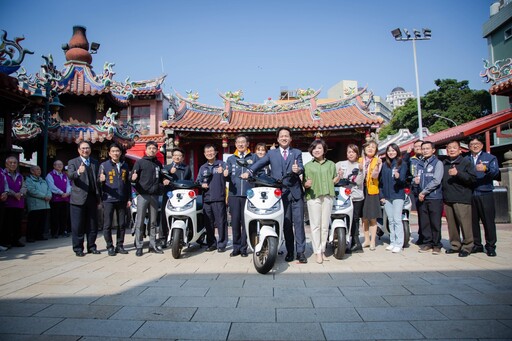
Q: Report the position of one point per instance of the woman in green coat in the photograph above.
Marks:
(38, 204)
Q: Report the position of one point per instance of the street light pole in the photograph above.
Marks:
(397, 34)
(446, 118)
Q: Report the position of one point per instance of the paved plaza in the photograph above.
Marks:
(47, 293)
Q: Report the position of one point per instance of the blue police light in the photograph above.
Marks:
(250, 193)
(169, 194)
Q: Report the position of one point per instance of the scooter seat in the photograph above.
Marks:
(184, 184)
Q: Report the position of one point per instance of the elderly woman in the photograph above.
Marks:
(38, 204)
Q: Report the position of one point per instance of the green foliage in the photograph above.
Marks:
(451, 99)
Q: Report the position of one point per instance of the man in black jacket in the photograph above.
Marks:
(458, 180)
(147, 176)
(115, 194)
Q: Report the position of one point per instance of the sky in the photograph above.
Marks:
(260, 47)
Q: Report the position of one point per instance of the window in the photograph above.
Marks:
(508, 33)
(140, 119)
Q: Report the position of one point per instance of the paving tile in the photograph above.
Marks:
(235, 315)
(177, 314)
(210, 302)
(17, 337)
(79, 311)
(241, 292)
(131, 300)
(275, 302)
(8, 308)
(276, 331)
(95, 327)
(307, 292)
(484, 299)
(422, 300)
(208, 283)
(317, 315)
(60, 299)
(484, 312)
(465, 328)
(26, 325)
(174, 291)
(439, 289)
(370, 331)
(183, 330)
(348, 282)
(400, 314)
(274, 283)
(374, 291)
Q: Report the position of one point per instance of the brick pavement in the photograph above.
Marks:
(46, 293)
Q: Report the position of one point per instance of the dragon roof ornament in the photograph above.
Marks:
(498, 71)
(11, 54)
(198, 106)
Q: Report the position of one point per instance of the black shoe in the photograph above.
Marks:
(425, 248)
(235, 253)
(221, 249)
(211, 248)
(477, 249)
(30, 240)
(491, 253)
(156, 249)
(419, 242)
(289, 257)
(94, 252)
(111, 251)
(121, 250)
(463, 253)
(80, 254)
(244, 254)
(18, 244)
(450, 251)
(138, 253)
(302, 258)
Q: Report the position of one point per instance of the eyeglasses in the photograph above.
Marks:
(85, 148)
(473, 144)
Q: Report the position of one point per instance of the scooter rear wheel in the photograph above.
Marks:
(177, 236)
(340, 242)
(265, 259)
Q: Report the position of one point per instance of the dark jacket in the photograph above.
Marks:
(458, 188)
(484, 180)
(237, 186)
(183, 171)
(149, 177)
(117, 186)
(85, 183)
(431, 175)
(391, 188)
(216, 190)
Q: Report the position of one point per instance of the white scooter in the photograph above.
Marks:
(264, 219)
(184, 214)
(341, 217)
(383, 223)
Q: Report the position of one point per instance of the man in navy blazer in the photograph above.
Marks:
(285, 160)
(84, 200)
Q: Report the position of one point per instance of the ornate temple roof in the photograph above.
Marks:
(302, 114)
(499, 75)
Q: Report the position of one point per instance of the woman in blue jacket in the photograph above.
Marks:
(392, 184)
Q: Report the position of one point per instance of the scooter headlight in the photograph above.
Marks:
(345, 204)
(249, 193)
(179, 208)
(169, 194)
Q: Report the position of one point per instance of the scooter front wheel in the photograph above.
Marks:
(265, 259)
(407, 233)
(177, 236)
(340, 242)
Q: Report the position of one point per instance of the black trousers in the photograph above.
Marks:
(59, 217)
(430, 212)
(417, 203)
(215, 216)
(83, 224)
(483, 210)
(35, 224)
(11, 229)
(119, 208)
(236, 208)
(358, 212)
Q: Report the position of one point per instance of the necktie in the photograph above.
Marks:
(87, 162)
(285, 154)
(241, 155)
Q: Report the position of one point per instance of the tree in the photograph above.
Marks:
(451, 99)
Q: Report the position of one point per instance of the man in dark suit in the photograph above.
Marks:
(84, 200)
(285, 160)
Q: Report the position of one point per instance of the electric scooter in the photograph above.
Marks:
(184, 214)
(383, 223)
(264, 221)
(341, 216)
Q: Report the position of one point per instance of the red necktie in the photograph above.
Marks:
(285, 154)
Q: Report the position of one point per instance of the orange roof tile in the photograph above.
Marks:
(338, 118)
